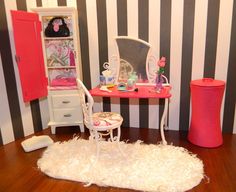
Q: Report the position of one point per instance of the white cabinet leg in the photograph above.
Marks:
(81, 127)
(53, 129)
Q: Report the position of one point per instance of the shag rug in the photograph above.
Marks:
(144, 167)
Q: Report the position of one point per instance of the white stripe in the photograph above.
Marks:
(112, 50)
(44, 112)
(134, 113)
(24, 107)
(111, 26)
(49, 3)
(93, 42)
(153, 112)
(93, 46)
(154, 25)
(132, 14)
(154, 40)
(71, 3)
(44, 3)
(132, 22)
(175, 62)
(5, 117)
(199, 41)
(223, 43)
(30, 4)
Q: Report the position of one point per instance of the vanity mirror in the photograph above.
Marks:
(134, 57)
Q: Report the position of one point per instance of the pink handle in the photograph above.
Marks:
(207, 79)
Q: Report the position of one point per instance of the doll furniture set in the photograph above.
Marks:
(61, 48)
(100, 124)
(136, 73)
(48, 39)
(49, 61)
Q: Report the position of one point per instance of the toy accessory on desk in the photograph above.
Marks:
(121, 86)
(104, 88)
(124, 88)
(36, 142)
(107, 77)
(132, 81)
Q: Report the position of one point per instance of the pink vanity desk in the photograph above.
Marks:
(144, 91)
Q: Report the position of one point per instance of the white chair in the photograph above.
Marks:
(99, 124)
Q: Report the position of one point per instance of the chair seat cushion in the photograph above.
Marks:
(106, 119)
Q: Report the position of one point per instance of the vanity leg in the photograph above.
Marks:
(163, 121)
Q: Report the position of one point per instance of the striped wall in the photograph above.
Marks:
(198, 38)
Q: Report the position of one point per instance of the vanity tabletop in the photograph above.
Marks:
(142, 91)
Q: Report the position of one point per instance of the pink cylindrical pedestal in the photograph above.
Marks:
(206, 99)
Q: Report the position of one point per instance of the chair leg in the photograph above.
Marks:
(118, 134)
(97, 146)
(118, 142)
(94, 135)
(111, 135)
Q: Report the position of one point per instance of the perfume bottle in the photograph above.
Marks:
(159, 82)
(132, 81)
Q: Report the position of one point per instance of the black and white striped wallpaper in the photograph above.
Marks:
(198, 38)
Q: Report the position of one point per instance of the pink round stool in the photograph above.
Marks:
(206, 99)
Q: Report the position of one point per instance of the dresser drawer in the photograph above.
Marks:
(67, 115)
(68, 101)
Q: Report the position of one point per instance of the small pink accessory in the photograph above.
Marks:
(162, 62)
(69, 81)
(72, 59)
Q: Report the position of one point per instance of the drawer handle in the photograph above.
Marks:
(67, 115)
(65, 102)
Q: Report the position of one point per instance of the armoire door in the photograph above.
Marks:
(29, 55)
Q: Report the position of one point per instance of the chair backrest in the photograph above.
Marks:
(87, 105)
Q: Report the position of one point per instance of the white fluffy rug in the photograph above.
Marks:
(145, 167)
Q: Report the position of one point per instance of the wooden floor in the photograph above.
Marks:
(19, 173)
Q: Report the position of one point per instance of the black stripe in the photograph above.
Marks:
(103, 43)
(143, 19)
(211, 38)
(186, 68)
(61, 3)
(35, 111)
(143, 113)
(165, 35)
(106, 104)
(21, 5)
(102, 33)
(124, 111)
(165, 29)
(122, 17)
(122, 28)
(230, 95)
(1, 141)
(84, 45)
(143, 34)
(39, 3)
(9, 74)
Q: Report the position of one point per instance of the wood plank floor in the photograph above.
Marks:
(19, 173)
